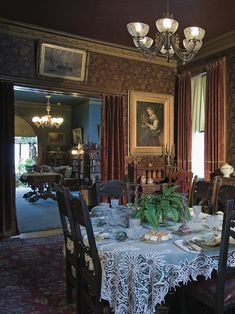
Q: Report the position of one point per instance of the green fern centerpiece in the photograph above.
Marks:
(165, 207)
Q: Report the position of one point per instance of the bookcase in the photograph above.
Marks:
(86, 166)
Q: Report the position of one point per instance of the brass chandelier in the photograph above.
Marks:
(47, 120)
(167, 43)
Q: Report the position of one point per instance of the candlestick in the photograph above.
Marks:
(183, 228)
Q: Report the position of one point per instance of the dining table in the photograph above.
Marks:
(41, 184)
(137, 274)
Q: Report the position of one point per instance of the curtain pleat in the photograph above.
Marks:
(7, 177)
(215, 118)
(113, 138)
(184, 122)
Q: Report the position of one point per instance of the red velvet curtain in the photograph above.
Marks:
(113, 138)
(184, 138)
(7, 177)
(215, 118)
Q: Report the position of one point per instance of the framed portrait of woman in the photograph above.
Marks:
(151, 122)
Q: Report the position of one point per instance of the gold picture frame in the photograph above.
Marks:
(56, 138)
(151, 123)
(77, 136)
(62, 62)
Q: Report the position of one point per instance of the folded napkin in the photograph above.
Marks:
(188, 246)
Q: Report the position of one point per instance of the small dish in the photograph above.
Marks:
(118, 235)
(208, 242)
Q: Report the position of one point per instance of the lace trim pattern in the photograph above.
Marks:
(135, 283)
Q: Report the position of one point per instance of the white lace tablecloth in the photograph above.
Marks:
(137, 275)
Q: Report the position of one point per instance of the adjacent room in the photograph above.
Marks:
(52, 150)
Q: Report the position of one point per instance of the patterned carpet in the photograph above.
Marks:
(41, 215)
(33, 276)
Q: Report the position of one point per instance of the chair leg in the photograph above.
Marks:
(162, 309)
(183, 302)
(69, 288)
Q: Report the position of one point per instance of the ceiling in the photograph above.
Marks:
(106, 19)
(39, 96)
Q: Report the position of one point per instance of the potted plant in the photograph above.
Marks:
(156, 208)
(29, 164)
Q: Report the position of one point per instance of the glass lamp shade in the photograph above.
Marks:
(57, 120)
(167, 25)
(36, 119)
(146, 41)
(188, 44)
(137, 29)
(194, 32)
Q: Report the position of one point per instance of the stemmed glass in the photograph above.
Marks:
(113, 218)
(114, 202)
(213, 222)
(197, 209)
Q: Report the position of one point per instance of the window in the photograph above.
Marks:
(198, 88)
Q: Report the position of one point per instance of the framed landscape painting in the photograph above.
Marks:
(151, 122)
(66, 63)
(56, 138)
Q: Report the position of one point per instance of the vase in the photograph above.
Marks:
(226, 170)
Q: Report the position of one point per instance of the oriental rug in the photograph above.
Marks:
(33, 276)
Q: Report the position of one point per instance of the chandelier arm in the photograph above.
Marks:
(154, 49)
(183, 54)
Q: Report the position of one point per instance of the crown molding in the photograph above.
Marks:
(53, 36)
(216, 45)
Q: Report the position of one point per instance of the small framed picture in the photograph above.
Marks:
(66, 63)
(56, 138)
(77, 136)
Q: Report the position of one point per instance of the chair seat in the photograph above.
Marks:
(205, 291)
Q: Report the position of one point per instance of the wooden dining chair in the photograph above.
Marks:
(134, 192)
(110, 189)
(201, 194)
(184, 181)
(90, 272)
(217, 293)
(218, 198)
(71, 259)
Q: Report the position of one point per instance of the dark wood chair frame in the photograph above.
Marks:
(218, 183)
(201, 194)
(110, 189)
(184, 180)
(90, 268)
(71, 258)
(225, 275)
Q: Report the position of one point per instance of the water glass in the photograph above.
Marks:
(213, 222)
(134, 222)
(114, 203)
(197, 209)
